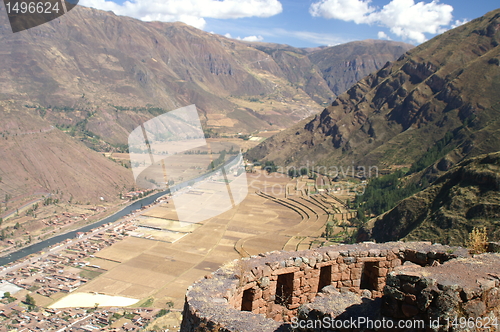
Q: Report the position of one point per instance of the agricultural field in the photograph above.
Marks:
(156, 271)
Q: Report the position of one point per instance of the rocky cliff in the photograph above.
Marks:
(344, 65)
(447, 211)
(396, 115)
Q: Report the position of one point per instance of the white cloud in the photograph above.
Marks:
(345, 10)
(411, 20)
(404, 18)
(253, 38)
(383, 35)
(248, 39)
(459, 23)
(191, 12)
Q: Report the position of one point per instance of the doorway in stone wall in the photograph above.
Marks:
(284, 289)
(325, 277)
(369, 276)
(247, 300)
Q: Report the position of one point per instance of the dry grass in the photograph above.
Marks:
(478, 240)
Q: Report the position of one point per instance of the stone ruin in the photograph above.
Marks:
(283, 291)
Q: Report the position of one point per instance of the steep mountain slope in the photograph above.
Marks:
(37, 158)
(299, 70)
(94, 59)
(340, 66)
(97, 76)
(344, 65)
(465, 197)
(446, 86)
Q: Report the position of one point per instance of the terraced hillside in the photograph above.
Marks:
(465, 197)
(446, 87)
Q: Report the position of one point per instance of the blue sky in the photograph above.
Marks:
(308, 23)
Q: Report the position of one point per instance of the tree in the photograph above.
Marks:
(270, 167)
(292, 172)
(328, 233)
(8, 297)
(30, 301)
(361, 215)
(162, 312)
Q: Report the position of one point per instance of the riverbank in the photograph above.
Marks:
(34, 248)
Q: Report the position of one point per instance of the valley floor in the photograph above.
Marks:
(159, 259)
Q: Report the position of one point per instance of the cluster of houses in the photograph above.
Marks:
(136, 194)
(15, 317)
(64, 219)
(46, 279)
(51, 274)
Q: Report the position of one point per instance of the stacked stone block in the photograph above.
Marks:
(269, 288)
(448, 295)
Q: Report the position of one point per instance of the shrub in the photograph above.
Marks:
(478, 240)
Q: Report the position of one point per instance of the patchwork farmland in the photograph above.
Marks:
(157, 269)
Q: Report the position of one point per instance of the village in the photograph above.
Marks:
(16, 317)
(61, 270)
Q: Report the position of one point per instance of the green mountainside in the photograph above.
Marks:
(442, 96)
(465, 197)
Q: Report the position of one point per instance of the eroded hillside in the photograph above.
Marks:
(446, 86)
(464, 198)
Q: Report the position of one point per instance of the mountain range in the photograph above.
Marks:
(443, 92)
(434, 115)
(78, 85)
(90, 59)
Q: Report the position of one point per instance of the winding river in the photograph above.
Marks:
(40, 246)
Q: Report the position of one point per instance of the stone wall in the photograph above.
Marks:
(466, 289)
(263, 293)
